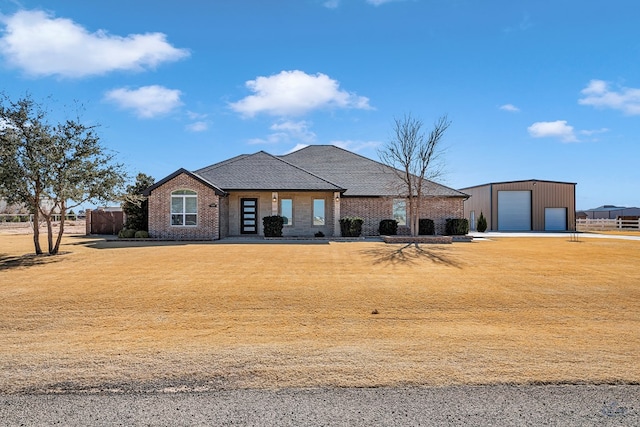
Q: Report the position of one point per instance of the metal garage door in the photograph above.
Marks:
(555, 219)
(514, 210)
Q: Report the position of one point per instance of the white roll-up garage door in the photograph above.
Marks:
(514, 210)
(555, 219)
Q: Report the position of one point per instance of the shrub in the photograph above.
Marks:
(482, 223)
(273, 225)
(426, 227)
(457, 226)
(141, 234)
(319, 234)
(127, 233)
(388, 227)
(351, 226)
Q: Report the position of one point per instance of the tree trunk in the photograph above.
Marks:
(36, 232)
(47, 218)
(416, 216)
(413, 214)
(63, 213)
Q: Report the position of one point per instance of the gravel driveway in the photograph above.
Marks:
(561, 405)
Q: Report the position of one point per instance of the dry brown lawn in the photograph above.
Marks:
(170, 316)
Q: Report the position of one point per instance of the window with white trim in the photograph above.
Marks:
(400, 211)
(318, 212)
(184, 208)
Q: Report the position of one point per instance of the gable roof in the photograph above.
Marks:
(518, 181)
(360, 175)
(263, 171)
(180, 171)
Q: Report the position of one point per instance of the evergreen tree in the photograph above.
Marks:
(482, 223)
(136, 206)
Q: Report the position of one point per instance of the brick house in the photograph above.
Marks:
(312, 188)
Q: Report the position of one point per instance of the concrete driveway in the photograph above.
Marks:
(565, 234)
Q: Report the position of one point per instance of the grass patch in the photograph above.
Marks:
(137, 316)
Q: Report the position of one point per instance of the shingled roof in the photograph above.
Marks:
(181, 171)
(263, 171)
(360, 175)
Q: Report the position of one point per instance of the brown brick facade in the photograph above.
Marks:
(375, 209)
(219, 217)
(209, 206)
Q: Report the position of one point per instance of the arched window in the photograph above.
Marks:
(184, 208)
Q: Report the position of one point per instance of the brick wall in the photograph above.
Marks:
(375, 209)
(222, 220)
(209, 205)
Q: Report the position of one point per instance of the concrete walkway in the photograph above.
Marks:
(566, 234)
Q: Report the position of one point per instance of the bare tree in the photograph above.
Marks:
(416, 160)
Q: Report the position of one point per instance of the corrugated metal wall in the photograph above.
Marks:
(544, 194)
(480, 201)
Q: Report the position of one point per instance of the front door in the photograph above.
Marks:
(248, 216)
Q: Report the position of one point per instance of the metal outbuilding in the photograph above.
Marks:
(529, 205)
(611, 212)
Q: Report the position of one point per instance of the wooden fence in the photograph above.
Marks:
(104, 222)
(607, 224)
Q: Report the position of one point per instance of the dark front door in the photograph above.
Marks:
(248, 216)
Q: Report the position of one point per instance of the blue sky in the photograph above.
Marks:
(534, 89)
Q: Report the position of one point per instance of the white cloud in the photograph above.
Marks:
(594, 131)
(356, 146)
(287, 131)
(270, 139)
(198, 127)
(147, 101)
(295, 130)
(598, 94)
(42, 45)
(379, 2)
(509, 107)
(294, 93)
(331, 4)
(558, 129)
